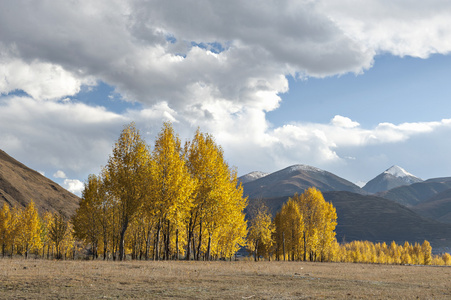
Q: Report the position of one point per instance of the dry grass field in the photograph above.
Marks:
(41, 279)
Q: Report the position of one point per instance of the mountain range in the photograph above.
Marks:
(395, 205)
(414, 210)
(294, 179)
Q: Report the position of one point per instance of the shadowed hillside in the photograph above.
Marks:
(437, 207)
(411, 195)
(20, 184)
(363, 217)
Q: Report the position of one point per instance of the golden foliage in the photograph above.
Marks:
(305, 228)
(166, 203)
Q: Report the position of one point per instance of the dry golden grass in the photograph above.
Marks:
(41, 279)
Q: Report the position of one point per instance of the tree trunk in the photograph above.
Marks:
(256, 250)
(283, 245)
(200, 240)
(105, 249)
(194, 247)
(190, 236)
(305, 248)
(157, 242)
(122, 240)
(168, 242)
(209, 248)
(177, 244)
(148, 239)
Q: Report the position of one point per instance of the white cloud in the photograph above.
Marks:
(125, 43)
(344, 122)
(62, 135)
(74, 186)
(39, 80)
(416, 28)
(220, 65)
(59, 174)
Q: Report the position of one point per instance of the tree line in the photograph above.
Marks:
(23, 231)
(184, 202)
(304, 230)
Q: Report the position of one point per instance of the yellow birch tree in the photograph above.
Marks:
(128, 178)
(171, 187)
(260, 232)
(29, 229)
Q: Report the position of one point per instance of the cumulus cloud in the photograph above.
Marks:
(417, 28)
(344, 122)
(39, 80)
(237, 51)
(60, 135)
(74, 186)
(220, 65)
(59, 174)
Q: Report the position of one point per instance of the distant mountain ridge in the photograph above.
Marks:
(295, 179)
(252, 176)
(20, 184)
(416, 193)
(414, 210)
(391, 178)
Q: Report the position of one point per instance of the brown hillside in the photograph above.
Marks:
(20, 184)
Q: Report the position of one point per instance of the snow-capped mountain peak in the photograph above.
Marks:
(391, 178)
(397, 171)
(295, 168)
(252, 176)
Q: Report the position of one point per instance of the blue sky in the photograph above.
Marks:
(395, 90)
(348, 86)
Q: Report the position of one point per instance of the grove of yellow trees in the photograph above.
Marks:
(23, 231)
(167, 203)
(305, 228)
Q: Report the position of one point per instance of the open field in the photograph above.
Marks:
(41, 279)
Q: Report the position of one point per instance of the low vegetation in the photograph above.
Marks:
(47, 279)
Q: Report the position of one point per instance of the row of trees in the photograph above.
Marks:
(23, 231)
(163, 204)
(304, 229)
(368, 252)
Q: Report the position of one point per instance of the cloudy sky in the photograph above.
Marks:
(348, 86)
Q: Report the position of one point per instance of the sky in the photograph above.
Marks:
(351, 87)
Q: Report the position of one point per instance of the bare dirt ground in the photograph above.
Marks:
(41, 279)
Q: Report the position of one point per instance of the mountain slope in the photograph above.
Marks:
(20, 184)
(411, 195)
(437, 208)
(368, 217)
(391, 178)
(296, 179)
